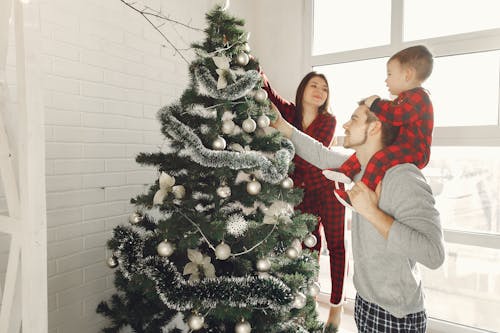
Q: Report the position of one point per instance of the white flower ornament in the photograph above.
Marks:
(199, 263)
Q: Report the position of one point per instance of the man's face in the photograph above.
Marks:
(356, 129)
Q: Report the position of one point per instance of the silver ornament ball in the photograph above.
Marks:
(263, 265)
(242, 59)
(165, 249)
(227, 126)
(219, 143)
(222, 251)
(287, 183)
(112, 262)
(260, 95)
(224, 191)
(310, 240)
(249, 125)
(263, 121)
(135, 218)
(299, 301)
(253, 187)
(243, 327)
(263, 275)
(292, 252)
(314, 289)
(195, 322)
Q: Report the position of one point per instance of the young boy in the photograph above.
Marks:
(411, 111)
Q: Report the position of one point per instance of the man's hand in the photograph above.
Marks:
(369, 100)
(365, 202)
(363, 199)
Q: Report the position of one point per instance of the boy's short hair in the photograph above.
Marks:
(418, 57)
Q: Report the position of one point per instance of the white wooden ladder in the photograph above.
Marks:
(22, 170)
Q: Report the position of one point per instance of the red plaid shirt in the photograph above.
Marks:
(322, 129)
(413, 111)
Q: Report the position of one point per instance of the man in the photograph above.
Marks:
(393, 228)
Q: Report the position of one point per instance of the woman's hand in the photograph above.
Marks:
(280, 123)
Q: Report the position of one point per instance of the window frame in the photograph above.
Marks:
(464, 43)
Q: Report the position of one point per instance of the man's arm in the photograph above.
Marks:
(308, 148)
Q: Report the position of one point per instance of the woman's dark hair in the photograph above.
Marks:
(299, 96)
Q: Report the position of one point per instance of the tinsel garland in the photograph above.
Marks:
(271, 171)
(178, 294)
(207, 86)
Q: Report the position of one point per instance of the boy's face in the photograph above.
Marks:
(398, 78)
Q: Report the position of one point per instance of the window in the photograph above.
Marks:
(464, 171)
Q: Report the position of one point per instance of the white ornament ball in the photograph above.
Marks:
(242, 59)
(165, 249)
(264, 275)
(247, 48)
(242, 327)
(222, 251)
(249, 125)
(166, 180)
(224, 191)
(299, 301)
(314, 289)
(112, 262)
(179, 191)
(263, 265)
(135, 218)
(292, 252)
(195, 322)
(253, 187)
(263, 121)
(310, 241)
(227, 126)
(287, 183)
(219, 143)
(260, 95)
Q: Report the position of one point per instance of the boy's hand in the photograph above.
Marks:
(369, 100)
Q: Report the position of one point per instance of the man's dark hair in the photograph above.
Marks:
(389, 132)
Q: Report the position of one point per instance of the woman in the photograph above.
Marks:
(310, 114)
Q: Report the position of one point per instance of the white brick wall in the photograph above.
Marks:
(105, 76)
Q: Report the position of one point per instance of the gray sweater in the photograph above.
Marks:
(386, 271)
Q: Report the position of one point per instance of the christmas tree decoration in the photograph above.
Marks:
(219, 143)
(242, 327)
(310, 241)
(249, 125)
(195, 322)
(263, 121)
(231, 262)
(228, 127)
(242, 59)
(222, 251)
(260, 95)
(263, 265)
(179, 191)
(236, 225)
(253, 187)
(287, 183)
(314, 289)
(135, 218)
(200, 264)
(165, 249)
(112, 262)
(224, 191)
(299, 301)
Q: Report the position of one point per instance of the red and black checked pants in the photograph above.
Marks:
(331, 215)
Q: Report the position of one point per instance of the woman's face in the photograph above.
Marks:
(316, 92)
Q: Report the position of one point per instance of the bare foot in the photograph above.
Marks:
(334, 316)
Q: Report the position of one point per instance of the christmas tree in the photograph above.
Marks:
(216, 241)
